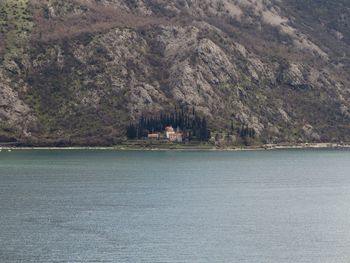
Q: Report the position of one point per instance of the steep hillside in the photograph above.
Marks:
(79, 72)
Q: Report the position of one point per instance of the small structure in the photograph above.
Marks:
(176, 137)
(169, 131)
(154, 136)
(173, 136)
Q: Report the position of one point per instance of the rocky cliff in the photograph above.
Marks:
(78, 72)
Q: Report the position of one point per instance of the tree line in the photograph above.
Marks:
(189, 122)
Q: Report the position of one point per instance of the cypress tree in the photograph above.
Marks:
(131, 132)
(188, 122)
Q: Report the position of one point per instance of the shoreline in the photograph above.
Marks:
(177, 147)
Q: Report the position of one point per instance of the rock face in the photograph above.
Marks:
(16, 116)
(80, 72)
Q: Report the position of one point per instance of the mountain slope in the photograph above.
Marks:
(80, 72)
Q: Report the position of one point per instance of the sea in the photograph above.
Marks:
(278, 206)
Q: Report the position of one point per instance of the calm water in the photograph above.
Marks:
(105, 206)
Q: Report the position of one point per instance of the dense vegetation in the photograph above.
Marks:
(332, 14)
(190, 123)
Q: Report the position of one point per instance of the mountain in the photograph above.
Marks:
(78, 72)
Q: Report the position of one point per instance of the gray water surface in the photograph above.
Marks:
(288, 206)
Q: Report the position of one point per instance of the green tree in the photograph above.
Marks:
(131, 132)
